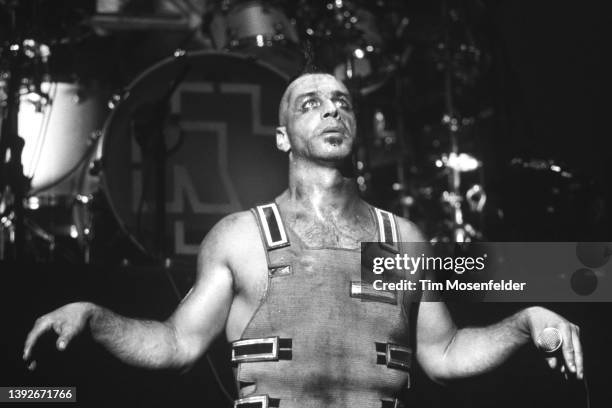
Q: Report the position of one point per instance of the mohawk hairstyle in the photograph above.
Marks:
(310, 68)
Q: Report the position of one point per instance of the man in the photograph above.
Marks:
(277, 280)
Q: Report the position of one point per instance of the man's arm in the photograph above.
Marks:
(446, 352)
(175, 343)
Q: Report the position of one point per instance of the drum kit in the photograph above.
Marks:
(81, 163)
(145, 172)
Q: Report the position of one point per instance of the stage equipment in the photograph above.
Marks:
(213, 115)
(257, 28)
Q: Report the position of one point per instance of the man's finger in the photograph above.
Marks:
(552, 362)
(568, 347)
(578, 353)
(65, 338)
(58, 327)
(39, 328)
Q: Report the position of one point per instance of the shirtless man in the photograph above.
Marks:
(278, 280)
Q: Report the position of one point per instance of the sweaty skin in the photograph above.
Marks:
(317, 130)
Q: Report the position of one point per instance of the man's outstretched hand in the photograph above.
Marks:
(539, 318)
(67, 322)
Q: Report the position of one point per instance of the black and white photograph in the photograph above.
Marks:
(305, 203)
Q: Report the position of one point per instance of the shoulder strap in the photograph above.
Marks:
(271, 226)
(387, 230)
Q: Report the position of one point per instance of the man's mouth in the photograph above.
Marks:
(334, 130)
(335, 138)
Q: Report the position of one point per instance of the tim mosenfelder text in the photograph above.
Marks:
(458, 265)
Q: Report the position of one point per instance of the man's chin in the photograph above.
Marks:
(337, 151)
(336, 156)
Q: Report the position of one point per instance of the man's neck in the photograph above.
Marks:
(320, 189)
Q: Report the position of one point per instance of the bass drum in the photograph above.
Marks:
(216, 114)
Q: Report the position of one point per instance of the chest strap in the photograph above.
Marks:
(395, 356)
(271, 226)
(387, 230)
(365, 291)
(257, 401)
(262, 349)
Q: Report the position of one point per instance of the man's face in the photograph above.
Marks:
(319, 119)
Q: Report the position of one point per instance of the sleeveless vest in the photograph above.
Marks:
(318, 339)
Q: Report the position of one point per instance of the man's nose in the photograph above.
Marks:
(331, 110)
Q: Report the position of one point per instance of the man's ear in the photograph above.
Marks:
(282, 139)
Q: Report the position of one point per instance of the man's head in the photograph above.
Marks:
(316, 119)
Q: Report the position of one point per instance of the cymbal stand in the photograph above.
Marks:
(453, 197)
(13, 184)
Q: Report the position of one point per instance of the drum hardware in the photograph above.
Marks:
(450, 178)
(47, 135)
(476, 197)
(7, 230)
(251, 23)
(354, 41)
(459, 162)
(383, 137)
(543, 165)
(258, 28)
(173, 15)
(24, 58)
(39, 232)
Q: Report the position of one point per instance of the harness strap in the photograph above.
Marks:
(261, 349)
(257, 401)
(365, 291)
(271, 226)
(395, 356)
(387, 230)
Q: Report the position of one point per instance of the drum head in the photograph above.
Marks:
(216, 113)
(59, 127)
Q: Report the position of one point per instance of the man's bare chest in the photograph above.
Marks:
(316, 233)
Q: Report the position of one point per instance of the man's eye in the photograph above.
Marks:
(310, 103)
(343, 103)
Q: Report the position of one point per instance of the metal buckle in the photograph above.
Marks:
(270, 356)
(365, 291)
(391, 403)
(395, 362)
(262, 400)
(269, 213)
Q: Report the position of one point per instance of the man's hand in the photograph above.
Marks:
(67, 321)
(537, 319)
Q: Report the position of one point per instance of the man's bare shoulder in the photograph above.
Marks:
(233, 234)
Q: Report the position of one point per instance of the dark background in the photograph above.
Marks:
(547, 84)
